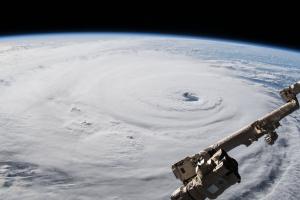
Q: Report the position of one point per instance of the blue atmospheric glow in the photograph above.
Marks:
(140, 34)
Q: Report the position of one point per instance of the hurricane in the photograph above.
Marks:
(104, 116)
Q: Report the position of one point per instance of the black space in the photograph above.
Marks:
(252, 23)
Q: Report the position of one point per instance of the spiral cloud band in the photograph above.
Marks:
(104, 116)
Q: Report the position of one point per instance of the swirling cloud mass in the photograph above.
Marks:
(105, 116)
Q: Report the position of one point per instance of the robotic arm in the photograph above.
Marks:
(209, 173)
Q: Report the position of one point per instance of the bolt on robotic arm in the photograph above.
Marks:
(209, 173)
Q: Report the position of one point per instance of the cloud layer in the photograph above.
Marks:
(104, 117)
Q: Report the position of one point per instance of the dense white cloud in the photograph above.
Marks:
(104, 117)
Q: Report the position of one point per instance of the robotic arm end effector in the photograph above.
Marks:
(212, 177)
(290, 92)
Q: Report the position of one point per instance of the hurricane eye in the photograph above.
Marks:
(190, 96)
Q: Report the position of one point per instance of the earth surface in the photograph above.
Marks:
(104, 116)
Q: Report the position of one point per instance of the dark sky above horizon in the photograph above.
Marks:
(257, 24)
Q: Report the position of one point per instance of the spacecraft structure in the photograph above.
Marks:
(210, 172)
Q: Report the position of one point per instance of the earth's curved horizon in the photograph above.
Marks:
(104, 116)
